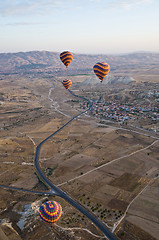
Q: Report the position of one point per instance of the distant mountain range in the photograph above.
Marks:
(45, 61)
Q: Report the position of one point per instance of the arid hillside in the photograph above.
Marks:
(49, 62)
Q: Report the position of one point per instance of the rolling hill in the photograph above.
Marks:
(45, 61)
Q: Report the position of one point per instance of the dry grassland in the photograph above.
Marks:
(78, 159)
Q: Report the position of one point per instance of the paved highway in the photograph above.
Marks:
(57, 191)
(25, 190)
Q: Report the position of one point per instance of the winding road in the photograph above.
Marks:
(57, 191)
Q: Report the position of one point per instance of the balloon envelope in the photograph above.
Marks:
(66, 57)
(50, 212)
(67, 83)
(101, 69)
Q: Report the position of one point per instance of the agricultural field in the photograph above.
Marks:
(111, 169)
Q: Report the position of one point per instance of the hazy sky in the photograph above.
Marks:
(80, 26)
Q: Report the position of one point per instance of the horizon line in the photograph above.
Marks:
(84, 53)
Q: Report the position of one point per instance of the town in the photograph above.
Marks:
(142, 111)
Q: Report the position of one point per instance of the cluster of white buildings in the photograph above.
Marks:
(123, 112)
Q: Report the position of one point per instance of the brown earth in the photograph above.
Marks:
(81, 147)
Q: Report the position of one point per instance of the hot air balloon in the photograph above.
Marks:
(101, 69)
(66, 57)
(50, 212)
(67, 83)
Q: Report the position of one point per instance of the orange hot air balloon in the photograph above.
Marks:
(67, 83)
(101, 69)
(66, 57)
